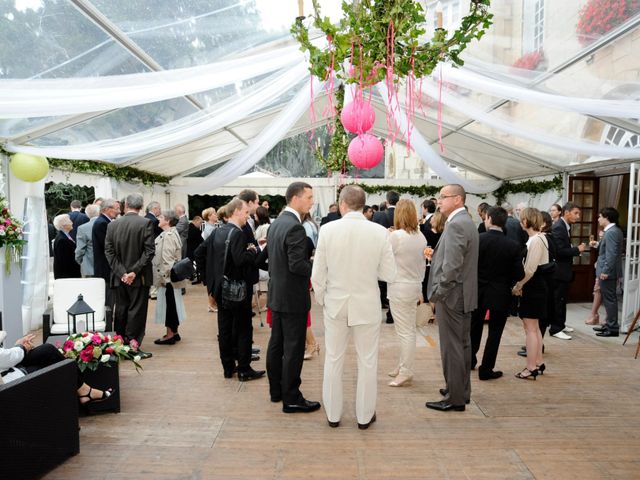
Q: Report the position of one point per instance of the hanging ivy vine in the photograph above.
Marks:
(531, 187)
(336, 160)
(122, 174)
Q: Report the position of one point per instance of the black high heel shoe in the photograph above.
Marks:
(541, 368)
(532, 374)
(105, 395)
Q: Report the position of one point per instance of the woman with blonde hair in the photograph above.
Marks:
(532, 290)
(404, 292)
(210, 218)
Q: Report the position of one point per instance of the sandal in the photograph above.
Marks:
(105, 395)
(531, 376)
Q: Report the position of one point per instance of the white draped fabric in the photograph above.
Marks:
(259, 147)
(69, 96)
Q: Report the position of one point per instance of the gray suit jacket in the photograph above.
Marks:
(455, 262)
(183, 229)
(610, 253)
(84, 248)
(129, 247)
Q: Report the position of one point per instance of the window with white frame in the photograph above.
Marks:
(533, 26)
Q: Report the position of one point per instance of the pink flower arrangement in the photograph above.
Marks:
(529, 61)
(91, 349)
(598, 17)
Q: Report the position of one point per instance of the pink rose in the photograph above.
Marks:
(116, 338)
(68, 345)
(109, 350)
(133, 343)
(86, 355)
(96, 340)
(85, 334)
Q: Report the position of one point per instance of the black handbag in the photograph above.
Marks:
(182, 270)
(234, 292)
(550, 267)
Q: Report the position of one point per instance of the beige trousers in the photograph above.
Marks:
(404, 318)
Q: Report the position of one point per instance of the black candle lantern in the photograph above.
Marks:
(80, 312)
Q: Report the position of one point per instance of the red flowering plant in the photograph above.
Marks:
(598, 17)
(10, 236)
(91, 349)
(530, 61)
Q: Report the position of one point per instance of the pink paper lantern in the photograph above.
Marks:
(365, 151)
(358, 116)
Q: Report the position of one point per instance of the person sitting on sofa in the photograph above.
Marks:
(24, 358)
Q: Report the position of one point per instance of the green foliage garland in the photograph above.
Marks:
(122, 174)
(423, 191)
(369, 25)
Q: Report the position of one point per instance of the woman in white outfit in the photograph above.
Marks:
(408, 245)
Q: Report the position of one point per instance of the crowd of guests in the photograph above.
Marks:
(360, 260)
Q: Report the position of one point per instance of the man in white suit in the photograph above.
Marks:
(352, 255)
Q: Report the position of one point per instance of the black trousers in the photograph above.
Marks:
(285, 356)
(545, 321)
(557, 322)
(42, 356)
(497, 321)
(171, 315)
(130, 314)
(234, 337)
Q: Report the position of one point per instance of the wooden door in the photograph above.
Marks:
(583, 191)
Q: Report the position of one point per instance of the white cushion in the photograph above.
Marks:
(65, 294)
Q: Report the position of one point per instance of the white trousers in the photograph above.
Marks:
(365, 338)
(404, 320)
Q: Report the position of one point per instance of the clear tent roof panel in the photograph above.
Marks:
(60, 42)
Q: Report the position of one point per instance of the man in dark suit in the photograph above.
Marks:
(153, 212)
(289, 300)
(333, 214)
(129, 249)
(513, 229)
(234, 321)
(565, 252)
(77, 217)
(109, 210)
(385, 218)
(482, 213)
(499, 268)
(453, 287)
(609, 269)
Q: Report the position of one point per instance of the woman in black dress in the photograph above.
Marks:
(64, 249)
(532, 290)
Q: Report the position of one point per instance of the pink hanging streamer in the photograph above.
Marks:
(440, 114)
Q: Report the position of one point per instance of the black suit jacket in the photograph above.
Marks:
(499, 268)
(156, 224)
(331, 216)
(64, 258)
(210, 257)
(194, 239)
(564, 251)
(515, 232)
(78, 218)
(101, 266)
(252, 272)
(385, 218)
(289, 265)
(129, 247)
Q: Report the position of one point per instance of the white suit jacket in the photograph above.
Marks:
(352, 255)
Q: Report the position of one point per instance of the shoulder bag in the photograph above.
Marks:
(234, 292)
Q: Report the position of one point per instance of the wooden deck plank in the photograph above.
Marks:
(181, 419)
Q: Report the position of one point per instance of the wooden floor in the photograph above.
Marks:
(181, 419)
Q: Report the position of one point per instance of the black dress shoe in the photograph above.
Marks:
(250, 374)
(144, 355)
(305, 406)
(254, 357)
(165, 341)
(607, 333)
(444, 392)
(177, 337)
(255, 351)
(491, 375)
(522, 353)
(445, 406)
(275, 399)
(229, 373)
(364, 426)
(600, 328)
(333, 424)
(389, 317)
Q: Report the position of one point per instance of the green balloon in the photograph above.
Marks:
(29, 168)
